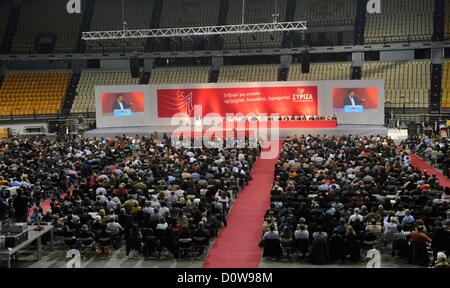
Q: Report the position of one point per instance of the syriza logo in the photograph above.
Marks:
(300, 96)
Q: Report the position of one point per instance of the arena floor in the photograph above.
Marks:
(56, 259)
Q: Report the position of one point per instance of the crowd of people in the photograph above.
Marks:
(333, 198)
(283, 118)
(141, 192)
(436, 150)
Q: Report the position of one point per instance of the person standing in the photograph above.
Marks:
(21, 204)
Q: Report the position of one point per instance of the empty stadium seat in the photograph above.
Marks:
(446, 85)
(256, 11)
(36, 17)
(189, 13)
(326, 13)
(250, 73)
(406, 83)
(400, 20)
(179, 75)
(33, 93)
(108, 16)
(85, 94)
(322, 71)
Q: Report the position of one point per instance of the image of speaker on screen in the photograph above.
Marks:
(355, 100)
(122, 104)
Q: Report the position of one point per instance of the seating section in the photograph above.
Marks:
(4, 13)
(85, 94)
(180, 75)
(189, 13)
(446, 85)
(256, 11)
(406, 83)
(326, 12)
(447, 19)
(108, 16)
(401, 20)
(48, 17)
(33, 93)
(251, 73)
(322, 71)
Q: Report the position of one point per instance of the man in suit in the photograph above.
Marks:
(120, 104)
(352, 99)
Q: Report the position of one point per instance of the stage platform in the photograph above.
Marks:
(360, 130)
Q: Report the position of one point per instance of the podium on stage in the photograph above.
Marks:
(120, 112)
(351, 108)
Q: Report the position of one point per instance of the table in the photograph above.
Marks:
(32, 236)
(283, 124)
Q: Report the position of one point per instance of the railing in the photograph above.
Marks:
(397, 39)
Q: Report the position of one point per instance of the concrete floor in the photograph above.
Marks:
(386, 262)
(56, 259)
(118, 259)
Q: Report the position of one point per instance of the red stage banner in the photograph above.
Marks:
(282, 100)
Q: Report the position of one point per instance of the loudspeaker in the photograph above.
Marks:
(45, 43)
(305, 58)
(356, 73)
(412, 129)
(135, 67)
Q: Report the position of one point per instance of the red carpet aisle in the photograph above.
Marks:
(45, 205)
(237, 244)
(422, 165)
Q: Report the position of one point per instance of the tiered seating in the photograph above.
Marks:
(446, 85)
(323, 71)
(4, 12)
(108, 16)
(180, 75)
(326, 13)
(46, 16)
(185, 13)
(256, 11)
(447, 19)
(33, 93)
(85, 98)
(251, 73)
(405, 82)
(401, 20)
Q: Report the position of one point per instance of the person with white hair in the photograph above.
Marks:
(355, 215)
(441, 261)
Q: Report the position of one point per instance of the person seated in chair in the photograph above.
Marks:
(104, 241)
(116, 231)
(86, 235)
(441, 261)
(134, 241)
(70, 239)
(201, 237)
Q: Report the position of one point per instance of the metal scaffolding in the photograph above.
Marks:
(194, 31)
